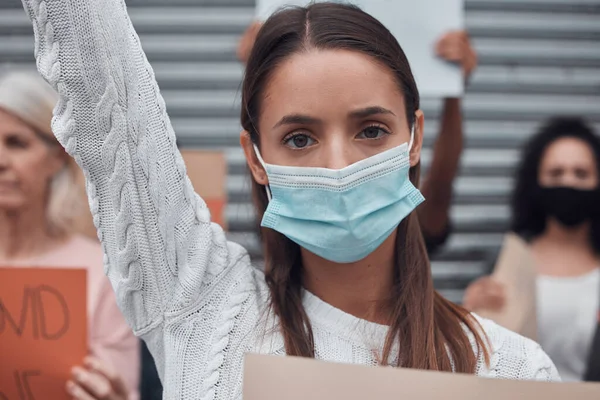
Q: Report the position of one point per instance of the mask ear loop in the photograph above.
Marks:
(264, 165)
(412, 138)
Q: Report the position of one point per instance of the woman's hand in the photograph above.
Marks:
(455, 46)
(96, 381)
(247, 42)
(485, 294)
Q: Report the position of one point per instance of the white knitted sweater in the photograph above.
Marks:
(189, 293)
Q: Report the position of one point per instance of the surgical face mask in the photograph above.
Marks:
(570, 206)
(341, 215)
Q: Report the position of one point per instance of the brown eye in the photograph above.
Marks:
(582, 173)
(373, 132)
(556, 172)
(299, 141)
(16, 143)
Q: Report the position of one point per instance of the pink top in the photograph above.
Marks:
(110, 339)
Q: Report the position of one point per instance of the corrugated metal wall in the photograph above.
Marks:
(538, 58)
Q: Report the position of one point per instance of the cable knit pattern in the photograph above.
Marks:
(192, 295)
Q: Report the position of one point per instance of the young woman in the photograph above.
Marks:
(332, 135)
(434, 214)
(39, 199)
(555, 207)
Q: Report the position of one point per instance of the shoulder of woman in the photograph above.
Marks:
(513, 356)
(83, 252)
(86, 247)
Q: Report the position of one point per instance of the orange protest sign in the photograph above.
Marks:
(43, 331)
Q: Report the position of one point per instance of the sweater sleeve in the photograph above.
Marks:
(161, 251)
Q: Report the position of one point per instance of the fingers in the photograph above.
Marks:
(496, 295)
(470, 61)
(455, 46)
(89, 385)
(96, 366)
(77, 391)
(453, 39)
(80, 393)
(96, 381)
(451, 53)
(471, 296)
(485, 293)
(247, 41)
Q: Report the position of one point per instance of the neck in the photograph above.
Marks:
(361, 288)
(24, 234)
(561, 251)
(576, 238)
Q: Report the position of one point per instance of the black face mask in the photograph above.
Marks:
(570, 206)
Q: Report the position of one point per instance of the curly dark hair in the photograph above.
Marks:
(528, 217)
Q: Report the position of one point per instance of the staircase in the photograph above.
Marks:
(538, 58)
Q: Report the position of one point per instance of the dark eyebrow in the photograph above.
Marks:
(297, 119)
(370, 111)
(49, 140)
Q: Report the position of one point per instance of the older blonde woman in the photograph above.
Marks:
(39, 208)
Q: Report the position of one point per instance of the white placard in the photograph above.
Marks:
(417, 25)
(264, 8)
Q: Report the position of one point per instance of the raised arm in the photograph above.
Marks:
(455, 47)
(437, 185)
(159, 245)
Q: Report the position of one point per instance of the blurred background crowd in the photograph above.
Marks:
(519, 153)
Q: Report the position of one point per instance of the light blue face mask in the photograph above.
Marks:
(341, 215)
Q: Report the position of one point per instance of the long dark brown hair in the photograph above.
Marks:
(432, 333)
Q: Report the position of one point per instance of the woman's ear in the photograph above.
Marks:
(256, 168)
(57, 160)
(415, 151)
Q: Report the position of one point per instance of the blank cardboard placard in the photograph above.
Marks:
(43, 331)
(515, 270)
(417, 25)
(291, 378)
(207, 171)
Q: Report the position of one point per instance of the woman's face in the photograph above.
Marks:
(330, 109)
(27, 164)
(568, 162)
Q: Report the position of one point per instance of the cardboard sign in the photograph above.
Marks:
(417, 25)
(207, 171)
(290, 378)
(515, 270)
(43, 331)
(84, 224)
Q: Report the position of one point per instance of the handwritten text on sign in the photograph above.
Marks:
(43, 331)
